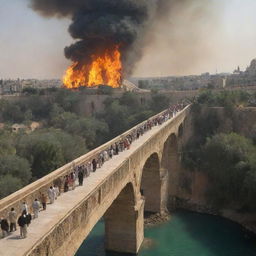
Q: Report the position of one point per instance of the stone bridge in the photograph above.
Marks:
(132, 182)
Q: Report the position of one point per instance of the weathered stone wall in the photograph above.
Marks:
(68, 234)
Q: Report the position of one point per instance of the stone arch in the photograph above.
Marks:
(169, 168)
(124, 223)
(170, 152)
(151, 184)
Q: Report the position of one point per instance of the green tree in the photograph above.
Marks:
(64, 120)
(116, 117)
(72, 146)
(206, 124)
(206, 97)
(226, 159)
(40, 107)
(131, 101)
(28, 116)
(13, 113)
(30, 91)
(48, 149)
(67, 99)
(47, 156)
(15, 166)
(139, 117)
(7, 146)
(159, 103)
(93, 130)
(42, 150)
(9, 184)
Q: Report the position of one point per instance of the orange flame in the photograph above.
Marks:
(103, 70)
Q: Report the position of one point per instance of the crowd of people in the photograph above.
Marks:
(78, 173)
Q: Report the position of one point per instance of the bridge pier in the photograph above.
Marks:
(164, 178)
(151, 184)
(124, 226)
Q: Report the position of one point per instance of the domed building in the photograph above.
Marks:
(251, 70)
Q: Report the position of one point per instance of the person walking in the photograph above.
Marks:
(28, 218)
(80, 177)
(12, 219)
(22, 222)
(86, 171)
(51, 195)
(56, 191)
(4, 227)
(127, 144)
(105, 154)
(73, 180)
(24, 207)
(66, 182)
(94, 165)
(36, 208)
(43, 201)
(116, 149)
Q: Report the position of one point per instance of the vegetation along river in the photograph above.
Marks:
(186, 234)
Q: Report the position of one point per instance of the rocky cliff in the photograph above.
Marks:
(191, 193)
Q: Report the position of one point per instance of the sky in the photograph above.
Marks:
(216, 36)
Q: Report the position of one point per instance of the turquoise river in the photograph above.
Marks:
(186, 234)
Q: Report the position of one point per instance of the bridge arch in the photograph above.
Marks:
(169, 170)
(170, 153)
(151, 184)
(124, 223)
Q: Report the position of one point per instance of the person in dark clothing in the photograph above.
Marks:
(4, 227)
(66, 184)
(110, 153)
(43, 201)
(80, 177)
(94, 165)
(28, 218)
(116, 148)
(22, 221)
(12, 219)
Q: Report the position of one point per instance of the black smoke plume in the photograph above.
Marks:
(101, 24)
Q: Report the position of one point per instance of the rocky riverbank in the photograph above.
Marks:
(156, 219)
(246, 220)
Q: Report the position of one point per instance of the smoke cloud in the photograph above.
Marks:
(101, 24)
(189, 39)
(172, 36)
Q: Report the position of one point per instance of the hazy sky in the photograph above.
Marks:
(194, 39)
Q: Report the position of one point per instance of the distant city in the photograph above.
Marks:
(9, 87)
(178, 83)
(205, 80)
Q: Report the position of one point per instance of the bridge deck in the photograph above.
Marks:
(14, 246)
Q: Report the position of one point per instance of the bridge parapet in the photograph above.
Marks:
(33, 190)
(95, 202)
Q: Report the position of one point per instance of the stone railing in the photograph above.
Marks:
(33, 190)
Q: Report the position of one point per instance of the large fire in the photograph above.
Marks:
(105, 69)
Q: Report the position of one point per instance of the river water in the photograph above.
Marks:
(186, 234)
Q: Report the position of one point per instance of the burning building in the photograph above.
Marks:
(103, 69)
(109, 37)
